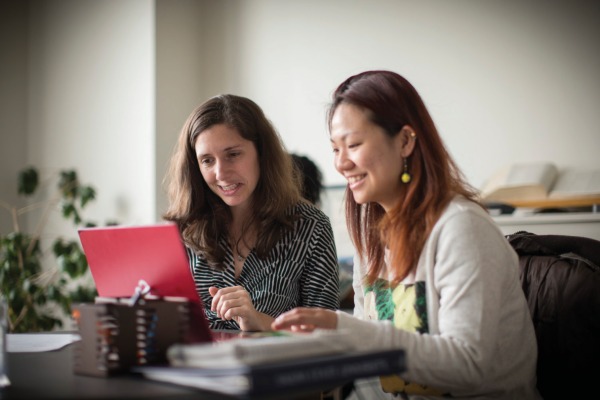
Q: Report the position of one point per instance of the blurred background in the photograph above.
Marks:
(104, 86)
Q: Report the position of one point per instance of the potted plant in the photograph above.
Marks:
(34, 292)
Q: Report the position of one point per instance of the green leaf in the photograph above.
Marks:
(69, 211)
(21, 256)
(68, 184)
(86, 194)
(40, 298)
(70, 257)
(83, 294)
(28, 181)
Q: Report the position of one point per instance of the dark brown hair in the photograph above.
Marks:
(391, 102)
(312, 178)
(203, 218)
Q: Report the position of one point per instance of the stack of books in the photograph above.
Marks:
(274, 364)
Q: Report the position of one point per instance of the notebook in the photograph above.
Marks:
(120, 256)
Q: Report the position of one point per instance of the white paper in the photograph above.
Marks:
(36, 342)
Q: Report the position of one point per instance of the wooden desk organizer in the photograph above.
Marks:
(116, 335)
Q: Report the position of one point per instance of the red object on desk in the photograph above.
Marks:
(120, 257)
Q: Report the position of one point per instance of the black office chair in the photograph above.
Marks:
(560, 276)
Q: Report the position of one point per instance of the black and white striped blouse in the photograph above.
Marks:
(301, 270)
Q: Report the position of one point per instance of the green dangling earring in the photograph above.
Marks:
(405, 175)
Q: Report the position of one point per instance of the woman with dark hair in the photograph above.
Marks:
(256, 248)
(433, 274)
(312, 178)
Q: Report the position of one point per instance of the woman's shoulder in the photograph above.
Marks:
(307, 211)
(460, 205)
(462, 213)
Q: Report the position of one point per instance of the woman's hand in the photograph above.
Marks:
(303, 319)
(234, 303)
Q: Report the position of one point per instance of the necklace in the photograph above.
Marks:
(238, 256)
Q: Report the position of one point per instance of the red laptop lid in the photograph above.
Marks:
(120, 256)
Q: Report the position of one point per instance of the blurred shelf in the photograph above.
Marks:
(557, 203)
(586, 224)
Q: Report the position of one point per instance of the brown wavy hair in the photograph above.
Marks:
(391, 102)
(202, 217)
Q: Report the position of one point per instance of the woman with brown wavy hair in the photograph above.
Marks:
(256, 248)
(433, 274)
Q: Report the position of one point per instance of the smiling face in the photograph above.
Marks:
(369, 159)
(229, 165)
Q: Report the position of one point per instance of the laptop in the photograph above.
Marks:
(121, 258)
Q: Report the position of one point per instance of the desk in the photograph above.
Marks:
(49, 375)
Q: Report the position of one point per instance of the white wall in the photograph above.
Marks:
(90, 105)
(505, 81)
(13, 102)
(180, 77)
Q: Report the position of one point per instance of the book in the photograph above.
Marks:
(316, 373)
(573, 182)
(542, 183)
(263, 348)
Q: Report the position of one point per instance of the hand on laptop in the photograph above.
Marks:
(234, 303)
